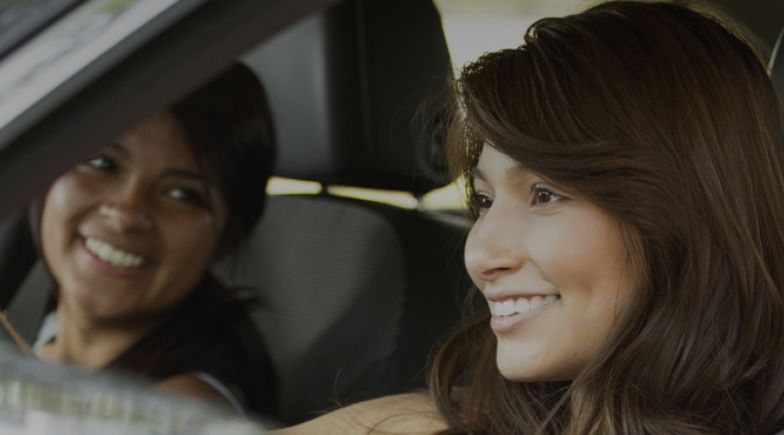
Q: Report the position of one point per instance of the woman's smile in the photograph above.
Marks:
(512, 312)
(113, 260)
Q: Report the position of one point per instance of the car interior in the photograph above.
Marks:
(356, 292)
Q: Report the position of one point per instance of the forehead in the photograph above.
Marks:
(493, 165)
(159, 138)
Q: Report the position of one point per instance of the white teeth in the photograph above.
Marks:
(520, 305)
(507, 307)
(112, 255)
(536, 302)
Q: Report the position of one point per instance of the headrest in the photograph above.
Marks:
(345, 88)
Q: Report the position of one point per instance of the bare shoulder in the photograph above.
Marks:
(192, 386)
(400, 414)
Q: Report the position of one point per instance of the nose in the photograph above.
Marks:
(124, 209)
(494, 246)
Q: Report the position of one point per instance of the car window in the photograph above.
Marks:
(58, 60)
(23, 19)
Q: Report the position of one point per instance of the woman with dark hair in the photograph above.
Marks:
(130, 236)
(626, 169)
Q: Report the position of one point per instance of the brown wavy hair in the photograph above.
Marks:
(668, 121)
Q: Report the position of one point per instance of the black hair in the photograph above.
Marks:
(228, 125)
(229, 128)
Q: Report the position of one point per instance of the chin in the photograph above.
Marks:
(521, 375)
(528, 368)
(516, 370)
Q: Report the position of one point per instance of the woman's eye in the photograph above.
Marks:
(102, 163)
(541, 196)
(187, 195)
(481, 202)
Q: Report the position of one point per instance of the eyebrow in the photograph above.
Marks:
(171, 172)
(188, 173)
(120, 148)
(475, 172)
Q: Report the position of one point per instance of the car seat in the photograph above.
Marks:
(357, 292)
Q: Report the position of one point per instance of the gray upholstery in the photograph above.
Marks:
(355, 294)
(350, 280)
(28, 307)
(17, 254)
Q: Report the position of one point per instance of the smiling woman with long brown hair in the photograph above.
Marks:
(667, 124)
(626, 168)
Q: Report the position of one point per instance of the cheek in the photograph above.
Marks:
(581, 251)
(66, 198)
(469, 256)
(590, 272)
(189, 243)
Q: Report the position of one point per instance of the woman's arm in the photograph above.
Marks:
(400, 414)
